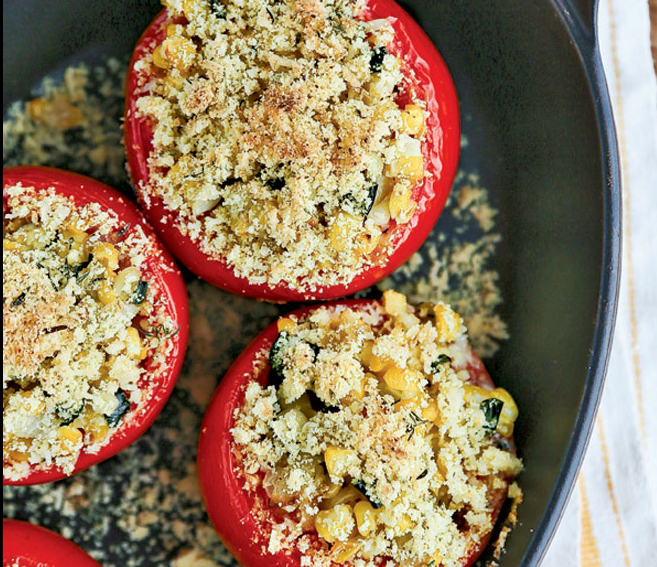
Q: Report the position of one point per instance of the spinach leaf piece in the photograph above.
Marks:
(492, 407)
(68, 415)
(140, 292)
(19, 300)
(276, 353)
(114, 418)
(440, 360)
(319, 405)
(376, 61)
(365, 489)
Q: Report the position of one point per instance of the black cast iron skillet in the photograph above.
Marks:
(537, 118)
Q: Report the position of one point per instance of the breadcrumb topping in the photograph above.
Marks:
(379, 432)
(78, 308)
(278, 136)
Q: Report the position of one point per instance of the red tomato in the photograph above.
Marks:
(441, 154)
(162, 269)
(34, 546)
(229, 506)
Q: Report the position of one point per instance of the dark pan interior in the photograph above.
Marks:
(536, 135)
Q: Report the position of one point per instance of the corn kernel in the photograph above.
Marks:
(174, 80)
(404, 524)
(18, 456)
(285, 324)
(394, 303)
(343, 552)
(71, 232)
(365, 518)
(412, 120)
(476, 394)
(430, 413)
(107, 254)
(447, 322)
(106, 292)
(342, 231)
(68, 433)
(94, 425)
(359, 389)
(339, 461)
(402, 379)
(179, 52)
(402, 206)
(159, 60)
(346, 495)
(11, 245)
(335, 524)
(406, 167)
(379, 363)
(133, 343)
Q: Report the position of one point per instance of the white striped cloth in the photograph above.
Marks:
(611, 519)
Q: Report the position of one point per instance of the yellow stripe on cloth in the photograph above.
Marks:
(612, 494)
(589, 554)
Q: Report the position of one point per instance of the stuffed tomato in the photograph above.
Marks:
(95, 319)
(358, 433)
(290, 151)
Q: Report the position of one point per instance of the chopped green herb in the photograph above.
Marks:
(424, 473)
(271, 15)
(415, 421)
(140, 292)
(114, 418)
(492, 407)
(442, 359)
(122, 232)
(160, 332)
(19, 300)
(54, 285)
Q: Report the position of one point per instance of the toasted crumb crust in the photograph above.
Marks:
(377, 436)
(277, 138)
(78, 308)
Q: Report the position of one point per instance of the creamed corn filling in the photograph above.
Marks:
(76, 308)
(373, 432)
(277, 137)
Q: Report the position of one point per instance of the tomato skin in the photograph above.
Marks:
(229, 506)
(34, 546)
(441, 151)
(174, 293)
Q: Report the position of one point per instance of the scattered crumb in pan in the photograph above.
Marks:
(73, 123)
(143, 507)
